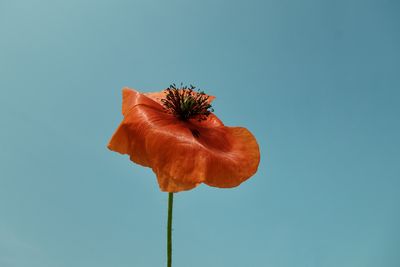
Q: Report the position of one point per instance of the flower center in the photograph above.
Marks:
(185, 103)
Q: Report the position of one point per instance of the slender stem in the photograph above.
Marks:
(169, 233)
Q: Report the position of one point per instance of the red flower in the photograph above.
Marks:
(175, 133)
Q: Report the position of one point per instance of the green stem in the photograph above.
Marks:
(169, 233)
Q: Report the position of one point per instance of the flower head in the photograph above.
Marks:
(176, 133)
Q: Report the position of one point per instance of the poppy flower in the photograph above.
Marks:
(177, 135)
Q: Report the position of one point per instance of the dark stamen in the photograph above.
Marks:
(195, 133)
(185, 103)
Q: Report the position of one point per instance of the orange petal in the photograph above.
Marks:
(184, 154)
(231, 168)
(131, 98)
(122, 140)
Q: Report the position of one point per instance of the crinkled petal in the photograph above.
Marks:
(131, 98)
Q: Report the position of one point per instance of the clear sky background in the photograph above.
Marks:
(317, 82)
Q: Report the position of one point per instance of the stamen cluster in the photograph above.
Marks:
(185, 103)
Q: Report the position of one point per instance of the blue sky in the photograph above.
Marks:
(317, 82)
